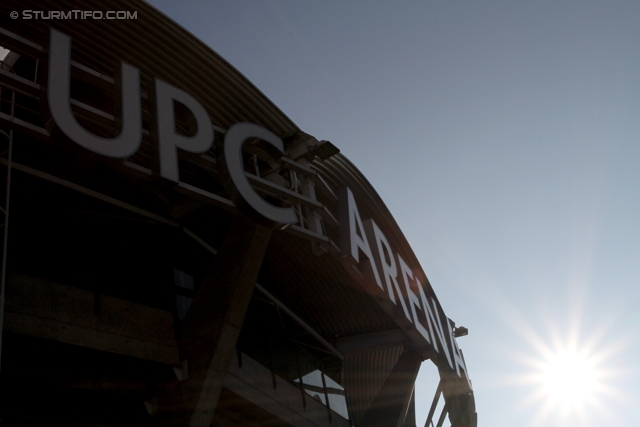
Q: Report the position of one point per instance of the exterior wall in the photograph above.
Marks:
(66, 314)
(142, 284)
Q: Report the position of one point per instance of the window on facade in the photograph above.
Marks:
(8, 58)
(184, 288)
(319, 386)
(277, 341)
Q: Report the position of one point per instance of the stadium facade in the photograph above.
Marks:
(179, 253)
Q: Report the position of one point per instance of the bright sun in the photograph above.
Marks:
(569, 379)
(569, 382)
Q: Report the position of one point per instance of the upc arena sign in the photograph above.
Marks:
(364, 248)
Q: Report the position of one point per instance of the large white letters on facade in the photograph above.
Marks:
(433, 319)
(355, 236)
(414, 302)
(457, 356)
(353, 239)
(387, 269)
(233, 139)
(168, 140)
(373, 261)
(128, 141)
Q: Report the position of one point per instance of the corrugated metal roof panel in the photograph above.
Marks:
(363, 376)
(318, 290)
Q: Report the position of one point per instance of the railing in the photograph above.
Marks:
(286, 345)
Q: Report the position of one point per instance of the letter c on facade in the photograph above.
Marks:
(234, 137)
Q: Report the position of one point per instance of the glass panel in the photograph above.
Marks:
(182, 279)
(276, 341)
(184, 283)
(314, 387)
(182, 306)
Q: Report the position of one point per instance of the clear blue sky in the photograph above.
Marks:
(504, 138)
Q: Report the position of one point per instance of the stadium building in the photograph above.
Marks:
(177, 252)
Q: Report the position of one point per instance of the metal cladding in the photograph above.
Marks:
(161, 153)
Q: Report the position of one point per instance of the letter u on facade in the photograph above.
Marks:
(128, 141)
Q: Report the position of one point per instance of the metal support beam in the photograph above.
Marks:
(90, 192)
(410, 417)
(369, 341)
(5, 241)
(434, 404)
(301, 322)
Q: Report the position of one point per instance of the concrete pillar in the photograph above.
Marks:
(392, 402)
(210, 330)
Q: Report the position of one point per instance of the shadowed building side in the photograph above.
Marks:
(179, 253)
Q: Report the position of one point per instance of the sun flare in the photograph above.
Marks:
(570, 373)
(568, 378)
